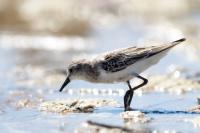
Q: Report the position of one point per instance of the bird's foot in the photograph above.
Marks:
(128, 109)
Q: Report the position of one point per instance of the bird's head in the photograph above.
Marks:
(74, 71)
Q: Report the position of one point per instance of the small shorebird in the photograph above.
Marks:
(119, 66)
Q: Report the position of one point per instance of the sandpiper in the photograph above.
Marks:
(120, 65)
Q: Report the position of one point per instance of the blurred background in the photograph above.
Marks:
(39, 38)
(48, 35)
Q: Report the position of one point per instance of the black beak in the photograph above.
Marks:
(67, 80)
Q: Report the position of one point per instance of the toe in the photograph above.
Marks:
(128, 109)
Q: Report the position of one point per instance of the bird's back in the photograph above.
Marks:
(133, 59)
(122, 58)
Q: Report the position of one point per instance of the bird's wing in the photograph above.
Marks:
(120, 59)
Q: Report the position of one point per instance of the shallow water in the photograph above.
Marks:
(22, 120)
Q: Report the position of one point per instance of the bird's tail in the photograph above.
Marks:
(162, 48)
(178, 41)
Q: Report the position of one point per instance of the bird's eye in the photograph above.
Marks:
(70, 70)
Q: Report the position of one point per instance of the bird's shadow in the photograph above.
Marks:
(145, 111)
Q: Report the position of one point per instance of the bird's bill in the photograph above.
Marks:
(67, 80)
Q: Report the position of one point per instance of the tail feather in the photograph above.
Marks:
(178, 41)
(162, 48)
(174, 43)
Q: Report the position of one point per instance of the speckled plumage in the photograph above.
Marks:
(119, 66)
(120, 59)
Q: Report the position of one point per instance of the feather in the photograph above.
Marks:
(120, 59)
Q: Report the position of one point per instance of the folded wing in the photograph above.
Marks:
(122, 58)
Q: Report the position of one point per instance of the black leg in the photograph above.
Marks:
(127, 99)
(145, 81)
(129, 94)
